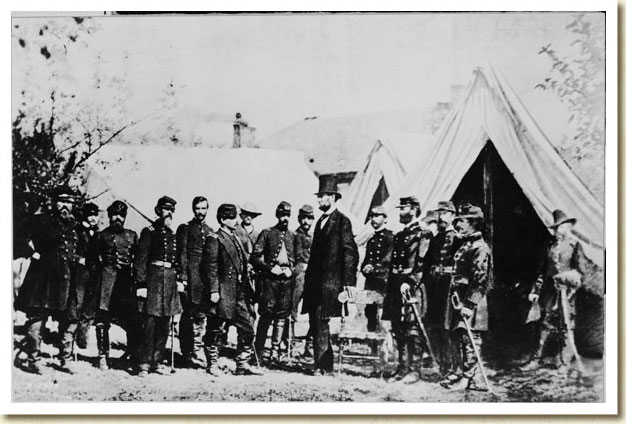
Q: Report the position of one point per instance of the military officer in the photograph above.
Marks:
(224, 269)
(438, 270)
(471, 283)
(87, 269)
(51, 243)
(375, 266)
(156, 270)
(302, 252)
(273, 260)
(245, 229)
(191, 237)
(116, 292)
(405, 289)
(560, 274)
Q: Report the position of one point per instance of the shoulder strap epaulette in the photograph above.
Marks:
(150, 228)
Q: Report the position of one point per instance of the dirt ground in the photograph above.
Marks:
(358, 383)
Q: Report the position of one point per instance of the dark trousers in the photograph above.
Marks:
(155, 332)
(131, 321)
(466, 353)
(322, 349)
(65, 343)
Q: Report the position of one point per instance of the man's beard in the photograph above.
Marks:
(306, 227)
(405, 219)
(324, 208)
(117, 224)
(200, 218)
(65, 214)
(442, 225)
(283, 225)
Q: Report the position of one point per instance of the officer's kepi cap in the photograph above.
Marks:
(63, 192)
(167, 203)
(408, 201)
(227, 211)
(445, 206)
(90, 209)
(378, 210)
(306, 211)
(283, 209)
(117, 208)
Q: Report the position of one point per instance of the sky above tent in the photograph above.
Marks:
(279, 69)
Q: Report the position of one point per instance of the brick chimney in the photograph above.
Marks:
(237, 124)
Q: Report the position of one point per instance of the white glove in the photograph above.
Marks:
(215, 297)
(533, 297)
(142, 293)
(180, 286)
(276, 270)
(35, 255)
(405, 288)
(367, 269)
(287, 272)
(466, 312)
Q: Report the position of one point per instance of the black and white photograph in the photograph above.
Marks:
(381, 207)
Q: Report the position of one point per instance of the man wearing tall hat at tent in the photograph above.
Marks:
(274, 260)
(51, 243)
(560, 275)
(375, 266)
(472, 280)
(405, 294)
(229, 294)
(156, 270)
(438, 270)
(332, 269)
(117, 300)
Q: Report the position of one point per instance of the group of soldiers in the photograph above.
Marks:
(435, 276)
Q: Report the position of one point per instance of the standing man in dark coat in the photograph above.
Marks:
(117, 300)
(560, 274)
(273, 260)
(225, 272)
(302, 251)
(375, 266)
(438, 270)
(471, 282)
(51, 241)
(191, 238)
(87, 269)
(156, 270)
(332, 268)
(405, 287)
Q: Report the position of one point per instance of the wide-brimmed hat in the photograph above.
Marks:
(430, 217)
(445, 206)
(469, 211)
(251, 209)
(328, 185)
(561, 218)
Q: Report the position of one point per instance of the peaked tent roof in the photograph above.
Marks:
(492, 111)
(390, 158)
(139, 175)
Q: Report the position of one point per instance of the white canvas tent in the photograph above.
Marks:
(139, 175)
(491, 111)
(490, 147)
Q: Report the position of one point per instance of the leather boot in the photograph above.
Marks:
(199, 329)
(414, 360)
(102, 340)
(66, 348)
(535, 360)
(277, 337)
(242, 360)
(212, 354)
(403, 364)
(261, 333)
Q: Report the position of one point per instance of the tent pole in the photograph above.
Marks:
(488, 195)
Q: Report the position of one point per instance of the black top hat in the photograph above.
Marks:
(117, 208)
(283, 208)
(166, 202)
(306, 210)
(445, 206)
(560, 218)
(328, 185)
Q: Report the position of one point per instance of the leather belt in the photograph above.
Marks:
(162, 263)
(442, 269)
(401, 271)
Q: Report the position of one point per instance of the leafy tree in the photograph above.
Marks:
(577, 79)
(62, 116)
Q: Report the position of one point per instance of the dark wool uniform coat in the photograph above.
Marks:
(224, 270)
(473, 279)
(117, 253)
(332, 265)
(378, 255)
(407, 260)
(158, 243)
(48, 283)
(190, 238)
